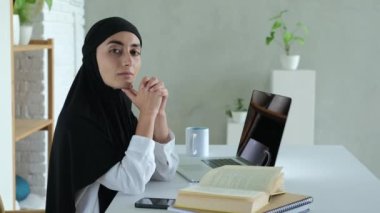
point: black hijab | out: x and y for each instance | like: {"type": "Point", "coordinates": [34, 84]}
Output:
{"type": "Point", "coordinates": [93, 129]}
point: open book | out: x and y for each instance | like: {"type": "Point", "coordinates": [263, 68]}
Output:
{"type": "Point", "coordinates": [233, 189]}
{"type": "Point", "coordinates": [280, 203]}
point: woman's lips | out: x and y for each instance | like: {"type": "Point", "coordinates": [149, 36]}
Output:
{"type": "Point", "coordinates": [125, 74]}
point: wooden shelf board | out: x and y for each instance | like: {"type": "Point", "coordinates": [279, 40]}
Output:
{"type": "Point", "coordinates": [24, 127]}
{"type": "Point", "coordinates": [33, 46]}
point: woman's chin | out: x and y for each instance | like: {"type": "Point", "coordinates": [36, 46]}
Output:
{"type": "Point", "coordinates": [126, 86]}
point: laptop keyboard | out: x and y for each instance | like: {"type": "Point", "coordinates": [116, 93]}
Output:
{"type": "Point", "coordinates": [215, 163]}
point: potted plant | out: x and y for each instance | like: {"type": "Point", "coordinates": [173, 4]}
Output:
{"type": "Point", "coordinates": [238, 113]}
{"type": "Point", "coordinates": [286, 38]}
{"type": "Point", "coordinates": [27, 11]}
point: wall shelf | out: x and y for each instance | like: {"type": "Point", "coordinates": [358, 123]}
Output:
{"type": "Point", "coordinates": [34, 46]}
{"type": "Point", "coordinates": [24, 127]}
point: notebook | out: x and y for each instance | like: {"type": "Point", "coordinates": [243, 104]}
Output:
{"type": "Point", "coordinates": [288, 202]}
{"type": "Point", "coordinates": [259, 142]}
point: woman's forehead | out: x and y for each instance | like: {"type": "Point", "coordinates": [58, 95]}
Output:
{"type": "Point", "coordinates": [123, 38]}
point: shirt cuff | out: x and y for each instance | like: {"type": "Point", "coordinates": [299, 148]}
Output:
{"type": "Point", "coordinates": [140, 144]}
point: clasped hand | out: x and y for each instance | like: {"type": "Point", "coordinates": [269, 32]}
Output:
{"type": "Point", "coordinates": [151, 96]}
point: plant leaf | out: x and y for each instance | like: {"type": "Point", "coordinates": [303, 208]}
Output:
{"type": "Point", "coordinates": [300, 40]}
{"type": "Point", "coordinates": [18, 5]}
{"type": "Point", "coordinates": [288, 36]}
{"type": "Point", "coordinates": [229, 113]}
{"type": "Point", "coordinates": [277, 24]}
{"type": "Point", "coordinates": [49, 3]}
{"type": "Point", "coordinates": [269, 38]}
{"type": "Point", "coordinates": [30, 11]}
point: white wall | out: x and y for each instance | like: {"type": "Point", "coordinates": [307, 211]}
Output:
{"type": "Point", "coordinates": [6, 145]}
{"type": "Point", "coordinates": [210, 52]}
{"type": "Point", "coordinates": [64, 23]}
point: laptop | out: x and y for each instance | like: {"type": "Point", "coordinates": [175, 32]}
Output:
{"type": "Point", "coordinates": [259, 141]}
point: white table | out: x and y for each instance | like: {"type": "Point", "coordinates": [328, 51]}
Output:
{"type": "Point", "coordinates": [337, 181]}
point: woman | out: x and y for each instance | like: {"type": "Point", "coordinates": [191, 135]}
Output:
{"type": "Point", "coordinates": [99, 146]}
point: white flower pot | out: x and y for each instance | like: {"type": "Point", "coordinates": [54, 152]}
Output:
{"type": "Point", "coordinates": [16, 29]}
{"type": "Point", "coordinates": [25, 34]}
{"type": "Point", "coordinates": [290, 62]}
{"type": "Point", "coordinates": [239, 117]}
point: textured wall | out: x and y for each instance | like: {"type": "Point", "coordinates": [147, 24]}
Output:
{"type": "Point", "coordinates": [64, 23]}
{"type": "Point", "coordinates": [210, 52]}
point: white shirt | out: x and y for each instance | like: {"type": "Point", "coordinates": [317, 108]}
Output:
{"type": "Point", "coordinates": [143, 160]}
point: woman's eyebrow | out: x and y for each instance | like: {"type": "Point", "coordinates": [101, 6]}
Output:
{"type": "Point", "coordinates": [136, 45]}
{"type": "Point", "coordinates": [122, 44]}
{"type": "Point", "coordinates": [116, 42]}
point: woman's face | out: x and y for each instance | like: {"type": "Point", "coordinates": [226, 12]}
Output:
{"type": "Point", "coordinates": [119, 59]}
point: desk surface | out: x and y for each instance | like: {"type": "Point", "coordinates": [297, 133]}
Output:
{"type": "Point", "coordinates": [337, 181]}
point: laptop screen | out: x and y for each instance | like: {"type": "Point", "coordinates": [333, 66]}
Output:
{"type": "Point", "coordinates": [263, 128]}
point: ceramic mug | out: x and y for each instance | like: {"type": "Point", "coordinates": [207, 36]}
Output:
{"type": "Point", "coordinates": [197, 141]}
{"type": "Point", "coordinates": [256, 153]}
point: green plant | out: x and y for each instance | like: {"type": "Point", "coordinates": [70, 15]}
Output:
{"type": "Point", "coordinates": [28, 10]}
{"type": "Point", "coordinates": [239, 107]}
{"type": "Point", "coordinates": [288, 37]}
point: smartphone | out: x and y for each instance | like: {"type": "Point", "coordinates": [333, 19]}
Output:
{"type": "Point", "coordinates": [154, 203]}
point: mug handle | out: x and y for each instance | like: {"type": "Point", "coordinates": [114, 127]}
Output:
{"type": "Point", "coordinates": [193, 147]}
{"type": "Point", "coordinates": [268, 157]}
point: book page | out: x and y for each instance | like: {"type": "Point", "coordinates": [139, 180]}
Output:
{"type": "Point", "coordinates": [257, 178]}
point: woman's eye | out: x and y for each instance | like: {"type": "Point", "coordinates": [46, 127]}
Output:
{"type": "Point", "coordinates": [135, 53]}
{"type": "Point", "coordinates": [116, 51]}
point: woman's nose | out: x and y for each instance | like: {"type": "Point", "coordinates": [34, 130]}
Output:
{"type": "Point", "coordinates": [127, 60]}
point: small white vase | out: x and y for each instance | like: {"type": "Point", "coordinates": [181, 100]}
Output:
{"type": "Point", "coordinates": [238, 117]}
{"type": "Point", "coordinates": [25, 34]}
{"type": "Point", "coordinates": [290, 62]}
{"type": "Point", "coordinates": [16, 29]}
